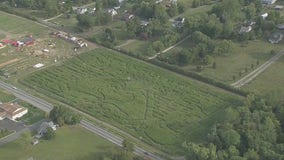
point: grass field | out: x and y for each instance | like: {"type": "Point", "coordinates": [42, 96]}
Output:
{"type": "Point", "coordinates": [34, 114]}
{"type": "Point", "coordinates": [70, 143]}
{"type": "Point", "coordinates": [271, 80]}
{"type": "Point", "coordinates": [6, 97]}
{"type": "Point", "coordinates": [160, 107]}
{"type": "Point", "coordinates": [242, 56]}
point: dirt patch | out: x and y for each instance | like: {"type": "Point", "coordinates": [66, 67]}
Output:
{"type": "Point", "coordinates": [9, 62]}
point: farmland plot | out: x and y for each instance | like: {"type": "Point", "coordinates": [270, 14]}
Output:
{"type": "Point", "coordinates": [157, 106]}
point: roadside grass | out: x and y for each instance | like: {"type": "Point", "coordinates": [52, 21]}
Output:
{"type": "Point", "coordinates": [270, 81]}
{"type": "Point", "coordinates": [155, 105]}
{"type": "Point", "coordinates": [34, 114]}
{"type": "Point", "coordinates": [6, 97]}
{"type": "Point", "coordinates": [4, 133]}
{"type": "Point", "coordinates": [70, 143]}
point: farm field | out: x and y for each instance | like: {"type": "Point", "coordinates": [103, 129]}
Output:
{"type": "Point", "coordinates": [70, 143]}
{"type": "Point", "coordinates": [157, 106]}
{"type": "Point", "coordinates": [17, 61]}
{"type": "Point", "coordinates": [264, 85]}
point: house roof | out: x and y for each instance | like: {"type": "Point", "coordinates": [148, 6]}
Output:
{"type": "Point", "coordinates": [12, 108]}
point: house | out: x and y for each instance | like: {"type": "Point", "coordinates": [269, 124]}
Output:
{"type": "Point", "coordinates": [128, 16]}
{"type": "Point", "coordinates": [12, 111]}
{"type": "Point", "coordinates": [43, 128]}
{"type": "Point", "coordinates": [245, 29]}
{"type": "Point", "coordinates": [276, 37]}
{"type": "Point", "coordinates": [278, 7]}
{"type": "Point", "coordinates": [178, 22]}
{"type": "Point", "coordinates": [112, 12]}
{"type": "Point", "coordinates": [264, 16]}
{"type": "Point", "coordinates": [144, 23]}
{"type": "Point", "coordinates": [79, 10]}
{"type": "Point", "coordinates": [268, 1]}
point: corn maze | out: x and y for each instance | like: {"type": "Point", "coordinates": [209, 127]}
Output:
{"type": "Point", "coordinates": [155, 105]}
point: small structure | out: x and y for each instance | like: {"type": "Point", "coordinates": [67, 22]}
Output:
{"type": "Point", "coordinates": [12, 111]}
{"type": "Point", "coordinates": [268, 1]}
{"type": "Point", "coordinates": [178, 22]}
{"type": "Point", "coordinates": [278, 7]}
{"type": "Point", "coordinates": [2, 45]}
{"type": "Point", "coordinates": [128, 16]}
{"type": "Point", "coordinates": [144, 23]}
{"type": "Point", "coordinates": [79, 10]}
{"type": "Point", "coordinates": [112, 12]}
{"type": "Point", "coordinates": [276, 37]}
{"type": "Point", "coordinates": [35, 142]}
{"type": "Point", "coordinates": [39, 65]}
{"type": "Point", "coordinates": [264, 15]}
{"type": "Point", "coordinates": [280, 26]}
{"type": "Point", "coordinates": [245, 29]}
{"type": "Point", "coordinates": [43, 128]}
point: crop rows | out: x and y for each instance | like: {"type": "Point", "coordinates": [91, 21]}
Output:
{"type": "Point", "coordinates": [146, 101]}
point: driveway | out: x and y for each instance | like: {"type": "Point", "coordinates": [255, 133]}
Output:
{"type": "Point", "coordinates": [11, 125]}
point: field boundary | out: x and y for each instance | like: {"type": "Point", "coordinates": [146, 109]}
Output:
{"type": "Point", "coordinates": [9, 62]}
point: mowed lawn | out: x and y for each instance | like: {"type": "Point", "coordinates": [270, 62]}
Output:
{"type": "Point", "coordinates": [242, 57]}
{"type": "Point", "coordinates": [157, 106]}
{"type": "Point", "coordinates": [70, 143]}
{"type": "Point", "coordinates": [16, 25]}
{"type": "Point", "coordinates": [270, 81]}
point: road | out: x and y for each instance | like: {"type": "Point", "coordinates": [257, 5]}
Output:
{"type": "Point", "coordinates": [41, 104]}
{"type": "Point", "coordinates": [47, 107]}
{"type": "Point", "coordinates": [115, 139]}
{"type": "Point", "coordinates": [251, 76]}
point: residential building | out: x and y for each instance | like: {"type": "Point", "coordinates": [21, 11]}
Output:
{"type": "Point", "coordinates": [268, 1]}
{"type": "Point", "coordinates": [12, 111]}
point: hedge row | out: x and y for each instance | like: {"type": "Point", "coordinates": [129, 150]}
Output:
{"type": "Point", "coordinates": [10, 10]}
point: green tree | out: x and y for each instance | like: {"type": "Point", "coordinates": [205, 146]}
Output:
{"type": "Point", "coordinates": [49, 134]}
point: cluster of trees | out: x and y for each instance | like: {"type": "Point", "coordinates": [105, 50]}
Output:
{"type": "Point", "coordinates": [251, 132]}
{"type": "Point", "coordinates": [149, 9]}
{"type": "Point", "coordinates": [61, 115]}
{"type": "Point", "coordinates": [50, 6]}
{"type": "Point", "coordinates": [202, 51]}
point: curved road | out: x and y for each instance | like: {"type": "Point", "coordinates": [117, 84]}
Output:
{"type": "Point", "coordinates": [47, 107]}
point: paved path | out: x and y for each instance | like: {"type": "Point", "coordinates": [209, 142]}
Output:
{"type": "Point", "coordinates": [169, 48]}
{"type": "Point", "coordinates": [251, 76]}
{"type": "Point", "coordinates": [49, 19]}
{"type": "Point", "coordinates": [18, 133]}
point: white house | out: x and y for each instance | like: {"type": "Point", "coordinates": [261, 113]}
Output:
{"type": "Point", "coordinates": [112, 12]}
{"type": "Point", "coordinates": [245, 29]}
{"type": "Point", "coordinates": [12, 111]}
{"type": "Point", "coordinates": [268, 1]}
{"type": "Point", "coordinates": [264, 15]}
